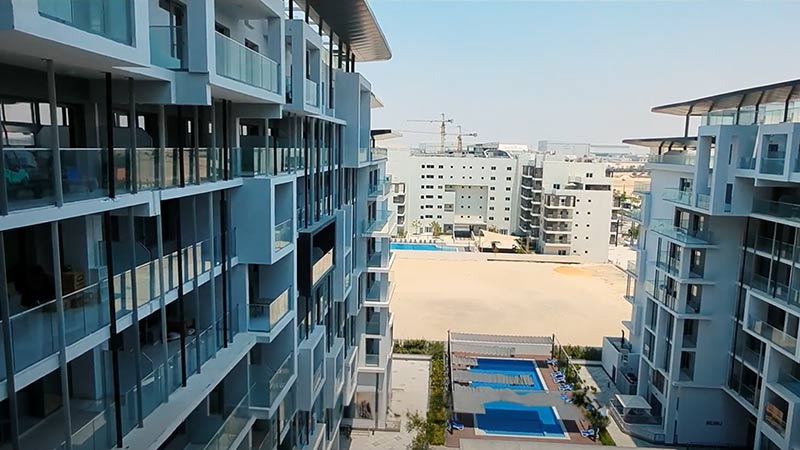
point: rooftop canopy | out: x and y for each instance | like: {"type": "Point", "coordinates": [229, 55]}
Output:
{"type": "Point", "coordinates": [770, 93]}
{"type": "Point", "coordinates": [632, 402]}
{"type": "Point", "coordinates": [665, 142]}
{"type": "Point", "coordinates": [354, 23]}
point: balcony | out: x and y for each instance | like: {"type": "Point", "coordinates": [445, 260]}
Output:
{"type": "Point", "coordinates": [265, 313]}
{"type": "Point", "coordinates": [284, 234]}
{"type": "Point", "coordinates": [634, 214]}
{"type": "Point", "coordinates": [239, 63]}
{"type": "Point", "coordinates": [673, 158]}
{"type": "Point", "coordinates": [374, 326]}
{"type": "Point", "coordinates": [680, 196]}
{"type": "Point", "coordinates": [788, 211]}
{"type": "Point", "coordinates": [632, 268]}
{"type": "Point", "coordinates": [382, 223]}
{"type": "Point", "coordinates": [789, 382]}
{"type": "Point", "coordinates": [747, 163]}
{"type": "Point", "coordinates": [261, 161]}
{"type": "Point", "coordinates": [773, 166]}
{"type": "Point", "coordinates": [665, 228]}
{"type": "Point", "coordinates": [168, 46]}
{"type": "Point", "coordinates": [311, 93]}
{"type": "Point", "coordinates": [111, 19]}
{"type": "Point", "coordinates": [703, 201]}
{"type": "Point", "coordinates": [268, 383]}
{"type": "Point", "coordinates": [372, 360]}
{"type": "Point", "coordinates": [380, 188]}
{"type": "Point", "coordinates": [641, 187]}
{"type": "Point", "coordinates": [321, 266]}
{"type": "Point", "coordinates": [772, 334]}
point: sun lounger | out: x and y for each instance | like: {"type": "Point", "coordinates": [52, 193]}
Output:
{"type": "Point", "coordinates": [587, 433]}
{"type": "Point", "coordinates": [565, 387]}
{"type": "Point", "coordinates": [556, 373]}
{"type": "Point", "coordinates": [565, 398]}
{"type": "Point", "coordinates": [550, 362]}
{"type": "Point", "coordinates": [454, 425]}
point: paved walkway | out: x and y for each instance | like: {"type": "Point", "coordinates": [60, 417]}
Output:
{"type": "Point", "coordinates": [597, 377]}
{"type": "Point", "coordinates": [409, 394]}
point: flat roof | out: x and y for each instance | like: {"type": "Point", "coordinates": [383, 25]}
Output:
{"type": "Point", "coordinates": [768, 93]}
{"type": "Point", "coordinates": [354, 22]}
{"type": "Point", "coordinates": [632, 401]}
{"type": "Point", "coordinates": [688, 142]}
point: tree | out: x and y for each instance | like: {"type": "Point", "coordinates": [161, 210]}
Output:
{"type": "Point", "coordinates": [415, 225]}
{"type": "Point", "coordinates": [437, 228]}
{"type": "Point", "coordinates": [419, 427]}
{"type": "Point", "coordinates": [633, 232]}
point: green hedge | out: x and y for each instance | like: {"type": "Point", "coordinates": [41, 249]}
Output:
{"type": "Point", "coordinates": [606, 438]}
{"type": "Point", "coordinates": [584, 352]}
{"type": "Point", "coordinates": [437, 403]}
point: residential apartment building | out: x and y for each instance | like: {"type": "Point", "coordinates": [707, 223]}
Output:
{"type": "Point", "coordinates": [194, 229]}
{"type": "Point", "coordinates": [461, 191]}
{"type": "Point", "coordinates": [567, 208]}
{"type": "Point", "coordinates": [399, 205]}
{"type": "Point", "coordinates": [712, 351]}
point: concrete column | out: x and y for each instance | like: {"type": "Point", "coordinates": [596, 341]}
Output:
{"type": "Point", "coordinates": [212, 279]}
{"type": "Point", "coordinates": [137, 361]}
{"type": "Point", "coordinates": [133, 126]}
{"type": "Point", "coordinates": [162, 303]}
{"type": "Point", "coordinates": [62, 338]}
{"type": "Point", "coordinates": [8, 354]}
{"type": "Point", "coordinates": [162, 146]}
{"type": "Point", "coordinates": [54, 139]}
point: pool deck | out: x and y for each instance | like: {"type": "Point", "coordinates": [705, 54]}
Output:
{"type": "Point", "coordinates": [572, 427]}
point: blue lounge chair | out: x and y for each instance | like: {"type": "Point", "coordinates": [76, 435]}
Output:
{"type": "Point", "coordinates": [565, 387]}
{"type": "Point", "coordinates": [550, 362]}
{"type": "Point", "coordinates": [556, 373]}
{"type": "Point", "coordinates": [587, 433]}
{"type": "Point", "coordinates": [452, 424]}
{"type": "Point", "coordinates": [565, 398]}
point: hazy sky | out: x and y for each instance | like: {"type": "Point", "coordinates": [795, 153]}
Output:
{"type": "Point", "coordinates": [587, 71]}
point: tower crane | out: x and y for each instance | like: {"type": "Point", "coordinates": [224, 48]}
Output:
{"type": "Point", "coordinates": [442, 130]}
{"type": "Point", "coordinates": [459, 136]}
{"type": "Point", "coordinates": [459, 142]}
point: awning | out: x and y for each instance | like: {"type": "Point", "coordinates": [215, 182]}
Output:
{"type": "Point", "coordinates": [354, 22]}
{"type": "Point", "coordinates": [665, 142]}
{"type": "Point", "coordinates": [632, 402]}
{"type": "Point", "coordinates": [770, 93]}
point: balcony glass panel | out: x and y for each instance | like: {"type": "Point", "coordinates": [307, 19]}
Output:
{"type": "Point", "coordinates": [108, 18]}
{"type": "Point", "coordinates": [240, 63]}
{"type": "Point", "coordinates": [264, 316]}
{"type": "Point", "coordinates": [283, 234]}
{"type": "Point", "coordinates": [690, 237]}
{"type": "Point", "coordinates": [789, 211]}
{"type": "Point", "coordinates": [322, 265]}
{"type": "Point", "coordinates": [773, 166]}
{"type": "Point", "coordinates": [268, 383]}
{"type": "Point", "coordinates": [678, 158]}
{"type": "Point", "coordinates": [382, 218]}
{"type": "Point", "coordinates": [28, 177]}
{"type": "Point", "coordinates": [84, 174]}
{"type": "Point", "coordinates": [774, 335]}
{"type": "Point", "coordinates": [34, 335]}
{"type": "Point", "coordinates": [147, 164]}
{"type": "Point", "coordinates": [312, 93]}
{"type": "Point", "coordinates": [683, 197]}
{"type": "Point", "coordinates": [85, 311]}
{"type": "Point", "coordinates": [747, 163]}
{"type": "Point", "coordinates": [167, 46]}
{"type": "Point", "coordinates": [372, 360]}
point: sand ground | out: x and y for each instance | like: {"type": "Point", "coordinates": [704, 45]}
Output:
{"type": "Point", "coordinates": [578, 303]}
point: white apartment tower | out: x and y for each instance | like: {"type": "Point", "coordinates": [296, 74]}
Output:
{"type": "Point", "coordinates": [712, 352]}
{"type": "Point", "coordinates": [565, 208]}
{"type": "Point", "coordinates": [461, 191]}
{"type": "Point", "coordinates": [194, 228]}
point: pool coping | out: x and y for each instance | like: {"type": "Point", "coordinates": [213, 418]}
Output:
{"type": "Point", "coordinates": [535, 368]}
{"type": "Point", "coordinates": [564, 434]}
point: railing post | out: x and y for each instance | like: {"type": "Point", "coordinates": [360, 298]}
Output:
{"type": "Point", "coordinates": [133, 126]}
{"type": "Point", "coordinates": [54, 136]}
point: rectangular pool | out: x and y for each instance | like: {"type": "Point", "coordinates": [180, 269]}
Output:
{"type": "Point", "coordinates": [512, 419]}
{"type": "Point", "coordinates": [509, 367]}
{"type": "Point", "coordinates": [428, 247]}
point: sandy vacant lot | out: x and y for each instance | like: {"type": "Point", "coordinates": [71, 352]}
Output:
{"type": "Point", "coordinates": [579, 303]}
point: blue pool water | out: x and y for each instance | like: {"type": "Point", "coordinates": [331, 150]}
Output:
{"type": "Point", "coordinates": [515, 419]}
{"type": "Point", "coordinates": [509, 367]}
{"type": "Point", "coordinates": [429, 247]}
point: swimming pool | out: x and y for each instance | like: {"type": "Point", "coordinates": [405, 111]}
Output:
{"type": "Point", "coordinates": [429, 247]}
{"type": "Point", "coordinates": [509, 367]}
{"type": "Point", "coordinates": [508, 418]}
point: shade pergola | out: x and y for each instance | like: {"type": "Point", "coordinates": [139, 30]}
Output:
{"type": "Point", "coordinates": [631, 403]}
{"type": "Point", "coordinates": [770, 93]}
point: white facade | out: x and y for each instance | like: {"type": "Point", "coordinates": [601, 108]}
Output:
{"type": "Point", "coordinates": [566, 208]}
{"type": "Point", "coordinates": [197, 254]}
{"type": "Point", "coordinates": [461, 191]}
{"type": "Point", "coordinates": [713, 334]}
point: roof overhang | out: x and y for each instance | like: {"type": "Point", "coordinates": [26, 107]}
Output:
{"type": "Point", "coordinates": [383, 134]}
{"type": "Point", "coordinates": [770, 93]}
{"type": "Point", "coordinates": [665, 142]}
{"type": "Point", "coordinates": [354, 23]}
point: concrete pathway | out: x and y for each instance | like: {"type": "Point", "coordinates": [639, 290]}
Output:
{"type": "Point", "coordinates": [409, 394]}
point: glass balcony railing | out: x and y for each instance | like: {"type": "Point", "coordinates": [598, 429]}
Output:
{"type": "Point", "coordinates": [633, 214]}
{"type": "Point", "coordinates": [108, 18]}
{"type": "Point", "coordinates": [379, 153]}
{"type": "Point", "coordinates": [28, 177]}
{"type": "Point", "coordinates": [167, 44]}
{"type": "Point", "coordinates": [380, 188]}
{"type": "Point", "coordinates": [773, 166]}
{"type": "Point", "coordinates": [665, 227]}
{"type": "Point", "coordinates": [641, 187]}
{"type": "Point", "coordinates": [383, 219]}
{"type": "Point", "coordinates": [789, 211]}
{"type": "Point", "coordinates": [678, 158]}
{"type": "Point", "coordinates": [323, 264]}
{"type": "Point", "coordinates": [774, 335]}
{"type": "Point", "coordinates": [318, 375]}
{"type": "Point", "coordinates": [363, 154]}
{"type": "Point", "coordinates": [264, 315]}
{"type": "Point", "coordinates": [232, 426]}
{"type": "Point", "coordinates": [269, 383]}
{"type": "Point", "coordinates": [374, 326]}
{"type": "Point", "coordinates": [372, 360]}
{"type": "Point", "coordinates": [284, 233]}
{"type": "Point", "coordinates": [681, 196]}
{"type": "Point", "coordinates": [703, 201]}
{"type": "Point", "coordinates": [632, 268]}
{"type": "Point", "coordinates": [83, 173]}
{"type": "Point", "coordinates": [237, 62]}
{"type": "Point", "coordinates": [790, 382]}
{"type": "Point", "coordinates": [747, 163]}
{"type": "Point", "coordinates": [311, 93]}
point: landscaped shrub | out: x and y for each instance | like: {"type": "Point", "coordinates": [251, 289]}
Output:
{"type": "Point", "coordinates": [583, 352]}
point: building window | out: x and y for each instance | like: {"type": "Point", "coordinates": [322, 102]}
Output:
{"type": "Point", "coordinates": [494, 168]}
{"type": "Point", "coordinates": [508, 178]}
{"type": "Point", "coordinates": [492, 178]}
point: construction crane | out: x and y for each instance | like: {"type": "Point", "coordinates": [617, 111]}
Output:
{"type": "Point", "coordinates": [442, 131]}
{"type": "Point", "coordinates": [459, 136]}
